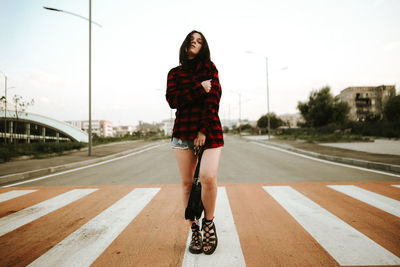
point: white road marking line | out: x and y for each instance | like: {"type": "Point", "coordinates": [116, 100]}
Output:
{"type": "Point", "coordinates": [84, 167]}
{"type": "Point", "coordinates": [396, 185]}
{"type": "Point", "coordinates": [327, 161]}
{"type": "Point", "coordinates": [86, 244]}
{"type": "Point", "coordinates": [22, 217]}
{"type": "Point", "coordinates": [389, 205]}
{"type": "Point", "coordinates": [229, 251]}
{"type": "Point", "coordinates": [14, 194]}
{"type": "Point", "coordinates": [344, 243]}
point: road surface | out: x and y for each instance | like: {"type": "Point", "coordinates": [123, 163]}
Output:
{"type": "Point", "coordinates": [273, 209]}
{"type": "Point", "coordinates": [241, 162]}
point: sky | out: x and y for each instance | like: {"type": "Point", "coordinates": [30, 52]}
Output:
{"type": "Point", "coordinates": [309, 44]}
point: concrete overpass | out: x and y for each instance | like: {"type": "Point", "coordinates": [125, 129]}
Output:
{"type": "Point", "coordinates": [29, 127]}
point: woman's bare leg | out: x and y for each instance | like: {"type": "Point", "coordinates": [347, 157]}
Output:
{"type": "Point", "coordinates": [208, 177]}
{"type": "Point", "coordinates": [187, 166]}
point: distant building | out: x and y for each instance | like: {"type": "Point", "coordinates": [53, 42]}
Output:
{"type": "Point", "coordinates": [168, 126]}
{"type": "Point", "coordinates": [121, 131]}
{"type": "Point", "coordinates": [365, 101]}
{"type": "Point", "coordinates": [99, 127]}
{"type": "Point", "coordinates": [76, 124]}
{"type": "Point", "coordinates": [146, 127]}
{"type": "Point", "coordinates": [291, 120]}
{"type": "Point", "coordinates": [229, 123]}
{"type": "Point", "coordinates": [246, 121]}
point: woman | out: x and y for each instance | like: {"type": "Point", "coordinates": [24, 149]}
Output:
{"type": "Point", "coordinates": [193, 89]}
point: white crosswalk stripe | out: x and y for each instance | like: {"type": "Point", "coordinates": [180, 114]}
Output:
{"type": "Point", "coordinates": [15, 220]}
{"type": "Point", "coordinates": [85, 245]}
{"type": "Point", "coordinates": [378, 201]}
{"type": "Point", "coordinates": [332, 233]}
{"type": "Point", "coordinates": [14, 194]}
{"type": "Point", "coordinates": [228, 252]}
{"type": "Point", "coordinates": [344, 243]}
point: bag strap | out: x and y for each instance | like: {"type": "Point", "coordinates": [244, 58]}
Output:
{"type": "Point", "coordinates": [196, 173]}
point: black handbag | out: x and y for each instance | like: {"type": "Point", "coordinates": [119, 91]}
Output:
{"type": "Point", "coordinates": [195, 204]}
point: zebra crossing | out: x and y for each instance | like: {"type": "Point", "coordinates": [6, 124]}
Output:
{"type": "Point", "coordinates": [313, 224]}
{"type": "Point", "coordinates": [344, 243]}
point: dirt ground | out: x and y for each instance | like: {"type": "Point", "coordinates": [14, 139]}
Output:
{"type": "Point", "coordinates": [340, 152]}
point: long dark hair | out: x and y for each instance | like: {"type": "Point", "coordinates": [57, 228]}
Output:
{"type": "Point", "coordinates": [204, 53]}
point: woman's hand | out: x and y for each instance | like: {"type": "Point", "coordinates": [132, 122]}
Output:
{"type": "Point", "coordinates": [206, 85]}
{"type": "Point", "coordinates": [200, 139]}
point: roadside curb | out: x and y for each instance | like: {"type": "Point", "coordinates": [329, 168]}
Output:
{"type": "Point", "coordinates": [16, 177]}
{"type": "Point", "coordinates": [350, 161]}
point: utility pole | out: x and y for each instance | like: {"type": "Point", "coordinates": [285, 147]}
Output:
{"type": "Point", "coordinates": [5, 110]}
{"type": "Point", "coordinates": [240, 113]}
{"type": "Point", "coordinates": [5, 107]}
{"type": "Point", "coordinates": [90, 64]}
{"type": "Point", "coordinates": [268, 115]}
{"type": "Point", "coordinates": [90, 78]}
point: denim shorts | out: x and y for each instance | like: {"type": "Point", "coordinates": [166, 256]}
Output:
{"type": "Point", "coordinates": [182, 144]}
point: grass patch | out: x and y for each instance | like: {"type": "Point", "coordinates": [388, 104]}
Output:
{"type": "Point", "coordinates": [37, 150]}
{"type": "Point", "coordinates": [324, 138]}
{"type": "Point", "coordinates": [42, 150]}
{"type": "Point", "coordinates": [106, 140]}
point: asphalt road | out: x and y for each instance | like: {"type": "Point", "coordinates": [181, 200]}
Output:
{"type": "Point", "coordinates": [241, 162]}
{"type": "Point", "coordinates": [129, 212]}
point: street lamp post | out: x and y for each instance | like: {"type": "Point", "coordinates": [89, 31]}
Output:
{"type": "Point", "coordinates": [90, 63]}
{"type": "Point", "coordinates": [240, 113]}
{"type": "Point", "coordinates": [268, 114]}
{"type": "Point", "coordinates": [90, 79]}
{"type": "Point", "coordinates": [5, 106]}
{"type": "Point", "coordinates": [240, 109]}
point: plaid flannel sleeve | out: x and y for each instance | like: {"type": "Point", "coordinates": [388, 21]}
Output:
{"type": "Point", "coordinates": [179, 97]}
{"type": "Point", "coordinates": [211, 104]}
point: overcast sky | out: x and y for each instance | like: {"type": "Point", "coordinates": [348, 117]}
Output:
{"type": "Point", "coordinates": [339, 43]}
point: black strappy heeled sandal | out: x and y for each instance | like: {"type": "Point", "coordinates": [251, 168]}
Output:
{"type": "Point", "coordinates": [195, 244]}
{"type": "Point", "coordinates": [209, 238]}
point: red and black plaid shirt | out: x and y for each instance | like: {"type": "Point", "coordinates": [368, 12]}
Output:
{"type": "Point", "coordinates": [197, 110]}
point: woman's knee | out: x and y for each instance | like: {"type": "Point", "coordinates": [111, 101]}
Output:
{"type": "Point", "coordinates": [208, 179]}
{"type": "Point", "coordinates": [187, 186]}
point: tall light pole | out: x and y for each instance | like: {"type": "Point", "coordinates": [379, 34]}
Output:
{"type": "Point", "coordinates": [90, 63]}
{"type": "Point", "coordinates": [5, 106]}
{"type": "Point", "coordinates": [90, 79]}
{"type": "Point", "coordinates": [268, 114]}
{"type": "Point", "coordinates": [240, 109]}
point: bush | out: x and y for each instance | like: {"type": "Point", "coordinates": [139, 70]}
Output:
{"type": "Point", "coordinates": [9, 151]}
{"type": "Point", "coordinates": [349, 131]}
{"type": "Point", "coordinates": [274, 121]}
{"type": "Point", "coordinates": [322, 108]}
{"type": "Point", "coordinates": [391, 111]}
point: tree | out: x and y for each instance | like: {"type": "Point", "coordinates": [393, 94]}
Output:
{"type": "Point", "coordinates": [274, 121]}
{"type": "Point", "coordinates": [391, 110]}
{"type": "Point", "coordinates": [20, 106]}
{"type": "Point", "coordinates": [2, 104]}
{"type": "Point", "coordinates": [322, 108]}
{"type": "Point", "coordinates": [2, 101]}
